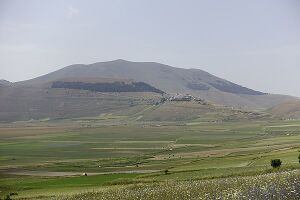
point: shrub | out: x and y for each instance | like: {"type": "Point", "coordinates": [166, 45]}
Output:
{"type": "Point", "coordinates": [166, 171]}
{"type": "Point", "coordinates": [276, 163]}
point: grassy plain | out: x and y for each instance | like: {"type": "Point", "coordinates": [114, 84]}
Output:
{"type": "Point", "coordinates": [48, 158]}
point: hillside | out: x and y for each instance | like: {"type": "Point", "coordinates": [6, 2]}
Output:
{"type": "Point", "coordinates": [17, 104]}
{"type": "Point", "coordinates": [287, 110]}
{"type": "Point", "coordinates": [121, 86]}
{"type": "Point", "coordinates": [168, 79]}
{"type": "Point", "coordinates": [197, 112]}
{"type": "Point", "coordinates": [5, 82]}
{"type": "Point", "coordinates": [25, 103]}
{"type": "Point", "coordinates": [155, 74]}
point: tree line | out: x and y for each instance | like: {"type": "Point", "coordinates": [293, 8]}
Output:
{"type": "Point", "coordinates": [108, 87]}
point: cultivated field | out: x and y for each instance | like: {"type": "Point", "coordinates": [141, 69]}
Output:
{"type": "Point", "coordinates": [44, 159]}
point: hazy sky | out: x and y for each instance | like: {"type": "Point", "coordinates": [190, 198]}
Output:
{"type": "Point", "coordinates": [255, 43]}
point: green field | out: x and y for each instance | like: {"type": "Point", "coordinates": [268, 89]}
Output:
{"type": "Point", "coordinates": [48, 158]}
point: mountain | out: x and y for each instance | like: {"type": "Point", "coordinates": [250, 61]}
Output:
{"type": "Point", "coordinates": [5, 83]}
{"type": "Point", "coordinates": [169, 79]}
{"type": "Point", "coordinates": [131, 89]}
{"type": "Point", "coordinates": [287, 110]}
{"type": "Point", "coordinates": [20, 103]}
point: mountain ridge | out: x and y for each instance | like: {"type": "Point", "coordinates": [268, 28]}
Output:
{"type": "Point", "coordinates": [94, 89]}
{"type": "Point", "coordinates": [5, 82]}
{"type": "Point", "coordinates": [169, 79]}
{"type": "Point", "coordinates": [109, 69]}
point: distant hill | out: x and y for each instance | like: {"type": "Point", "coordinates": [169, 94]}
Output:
{"type": "Point", "coordinates": [156, 74]}
{"type": "Point", "coordinates": [128, 89]}
{"type": "Point", "coordinates": [169, 79]}
{"type": "Point", "coordinates": [287, 110]}
{"type": "Point", "coordinates": [26, 103]}
{"type": "Point", "coordinates": [5, 82]}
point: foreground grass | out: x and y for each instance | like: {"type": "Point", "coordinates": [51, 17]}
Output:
{"type": "Point", "coordinates": [31, 186]}
{"type": "Point", "coordinates": [278, 185]}
{"type": "Point", "coordinates": [35, 186]}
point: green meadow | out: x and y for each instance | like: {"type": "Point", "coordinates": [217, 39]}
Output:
{"type": "Point", "coordinates": [48, 159]}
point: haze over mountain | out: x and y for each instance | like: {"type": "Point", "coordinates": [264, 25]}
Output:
{"type": "Point", "coordinates": [88, 90]}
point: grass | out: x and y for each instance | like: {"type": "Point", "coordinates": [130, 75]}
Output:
{"type": "Point", "coordinates": [34, 183]}
{"type": "Point", "coordinates": [283, 185]}
{"type": "Point", "coordinates": [198, 150]}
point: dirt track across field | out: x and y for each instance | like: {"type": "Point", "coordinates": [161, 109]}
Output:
{"type": "Point", "coordinates": [61, 174]}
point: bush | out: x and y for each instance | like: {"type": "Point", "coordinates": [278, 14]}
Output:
{"type": "Point", "coordinates": [166, 172]}
{"type": "Point", "coordinates": [276, 163]}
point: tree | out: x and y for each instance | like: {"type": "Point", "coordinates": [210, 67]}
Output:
{"type": "Point", "coordinates": [275, 163]}
{"type": "Point", "coordinates": [166, 172]}
{"type": "Point", "coordinates": [299, 158]}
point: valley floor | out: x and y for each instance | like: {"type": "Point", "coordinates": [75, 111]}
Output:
{"type": "Point", "coordinates": [136, 159]}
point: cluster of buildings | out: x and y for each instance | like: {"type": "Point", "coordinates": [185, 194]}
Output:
{"type": "Point", "coordinates": [184, 97]}
{"type": "Point", "coordinates": [181, 97]}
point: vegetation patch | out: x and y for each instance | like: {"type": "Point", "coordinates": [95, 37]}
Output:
{"type": "Point", "coordinates": [234, 88]}
{"type": "Point", "coordinates": [108, 87]}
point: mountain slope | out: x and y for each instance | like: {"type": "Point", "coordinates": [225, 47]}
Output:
{"type": "Point", "coordinates": [5, 83]}
{"type": "Point", "coordinates": [198, 112]}
{"type": "Point", "coordinates": [24, 103]}
{"type": "Point", "coordinates": [168, 79]}
{"type": "Point", "coordinates": [155, 74]}
{"type": "Point", "coordinates": [287, 110]}
{"type": "Point", "coordinates": [20, 103]}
